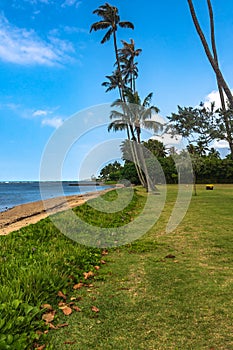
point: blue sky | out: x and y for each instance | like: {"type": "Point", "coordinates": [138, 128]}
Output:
{"type": "Point", "coordinates": [52, 67]}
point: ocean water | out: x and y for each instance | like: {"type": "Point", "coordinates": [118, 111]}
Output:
{"type": "Point", "coordinates": [16, 193]}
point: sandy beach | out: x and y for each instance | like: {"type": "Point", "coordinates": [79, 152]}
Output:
{"type": "Point", "coordinates": [30, 213]}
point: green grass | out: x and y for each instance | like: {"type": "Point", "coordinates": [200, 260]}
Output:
{"type": "Point", "coordinates": [146, 300]}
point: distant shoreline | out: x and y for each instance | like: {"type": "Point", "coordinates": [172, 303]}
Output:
{"type": "Point", "coordinates": [16, 193]}
{"type": "Point", "coordinates": [30, 213]}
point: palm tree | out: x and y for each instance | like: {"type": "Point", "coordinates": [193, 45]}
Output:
{"type": "Point", "coordinates": [132, 116]}
{"type": "Point", "coordinates": [129, 72]}
{"type": "Point", "coordinates": [127, 56]}
{"type": "Point", "coordinates": [111, 21]}
{"type": "Point", "coordinates": [114, 81]}
{"type": "Point", "coordinates": [135, 113]}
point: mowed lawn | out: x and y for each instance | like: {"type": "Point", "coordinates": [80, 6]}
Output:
{"type": "Point", "coordinates": [164, 291]}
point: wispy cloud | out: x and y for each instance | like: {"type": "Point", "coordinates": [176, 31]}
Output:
{"type": "Point", "coordinates": [35, 2]}
{"type": "Point", "coordinates": [55, 122]}
{"type": "Point", "coordinates": [25, 47]}
{"type": "Point", "coordinates": [75, 3]}
{"type": "Point", "coordinates": [70, 30]}
{"type": "Point", "coordinates": [46, 116]}
{"type": "Point", "coordinates": [40, 112]}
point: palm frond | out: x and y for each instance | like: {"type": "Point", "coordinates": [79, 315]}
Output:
{"type": "Point", "coordinates": [147, 100]}
{"type": "Point", "coordinates": [117, 114]}
{"type": "Point", "coordinates": [100, 25]}
{"type": "Point", "coordinates": [117, 125]}
{"type": "Point", "coordinates": [126, 25]}
{"type": "Point", "coordinates": [152, 125]}
{"type": "Point", "coordinates": [107, 36]}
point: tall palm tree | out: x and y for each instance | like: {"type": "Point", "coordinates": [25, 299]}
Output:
{"type": "Point", "coordinates": [127, 56]}
{"type": "Point", "coordinates": [111, 21]}
{"type": "Point", "coordinates": [132, 116]}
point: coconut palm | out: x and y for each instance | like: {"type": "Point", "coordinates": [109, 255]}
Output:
{"type": "Point", "coordinates": [134, 113]}
{"type": "Point", "coordinates": [111, 21]}
{"type": "Point", "coordinates": [114, 82]}
{"type": "Point", "coordinates": [132, 116]}
{"type": "Point", "coordinates": [129, 71]}
{"type": "Point", "coordinates": [127, 56]}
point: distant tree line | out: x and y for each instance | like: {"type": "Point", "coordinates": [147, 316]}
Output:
{"type": "Point", "coordinates": [207, 164]}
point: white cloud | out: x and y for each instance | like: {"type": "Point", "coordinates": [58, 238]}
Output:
{"type": "Point", "coordinates": [168, 140]}
{"type": "Point", "coordinates": [213, 96]}
{"type": "Point", "coordinates": [24, 47]}
{"type": "Point", "coordinates": [39, 113]}
{"type": "Point", "coordinates": [75, 3]}
{"type": "Point", "coordinates": [220, 144]}
{"type": "Point", "coordinates": [55, 122]}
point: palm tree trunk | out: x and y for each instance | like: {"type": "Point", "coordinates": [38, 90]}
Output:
{"type": "Point", "coordinates": [211, 59]}
{"type": "Point", "coordinates": [121, 89]}
{"type": "Point", "coordinates": [213, 43]}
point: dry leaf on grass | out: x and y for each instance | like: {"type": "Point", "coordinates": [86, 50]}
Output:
{"type": "Point", "coordinates": [76, 308]}
{"type": "Point", "coordinates": [88, 274]}
{"type": "Point", "coordinates": [78, 286]}
{"type": "Point", "coordinates": [52, 326]}
{"type": "Point", "coordinates": [41, 347]}
{"type": "Point", "coordinates": [104, 252]}
{"type": "Point", "coordinates": [61, 304]}
{"type": "Point", "coordinates": [95, 309]}
{"type": "Point", "coordinates": [47, 306]}
{"type": "Point", "coordinates": [97, 267]}
{"type": "Point", "coordinates": [62, 295]}
{"type": "Point", "coordinates": [49, 316]}
{"type": "Point", "coordinates": [39, 332]}
{"type": "Point", "coordinates": [62, 325]}
{"type": "Point", "coordinates": [103, 262]}
{"type": "Point", "coordinates": [66, 310]}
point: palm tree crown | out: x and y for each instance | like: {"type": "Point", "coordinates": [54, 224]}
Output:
{"type": "Point", "coordinates": [134, 115]}
{"type": "Point", "coordinates": [110, 19]}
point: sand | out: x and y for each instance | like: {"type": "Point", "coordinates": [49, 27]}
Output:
{"type": "Point", "coordinates": [30, 213]}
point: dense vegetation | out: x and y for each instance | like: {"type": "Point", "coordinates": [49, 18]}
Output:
{"type": "Point", "coordinates": [207, 164]}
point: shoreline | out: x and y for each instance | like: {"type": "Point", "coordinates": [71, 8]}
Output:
{"type": "Point", "coordinates": [23, 215]}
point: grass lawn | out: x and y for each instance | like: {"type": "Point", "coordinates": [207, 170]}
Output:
{"type": "Point", "coordinates": [164, 291]}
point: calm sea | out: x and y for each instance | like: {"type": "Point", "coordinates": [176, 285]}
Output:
{"type": "Point", "coordinates": [16, 193]}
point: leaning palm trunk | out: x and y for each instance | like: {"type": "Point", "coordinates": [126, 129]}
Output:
{"type": "Point", "coordinates": [213, 59]}
{"type": "Point", "coordinates": [221, 94]}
